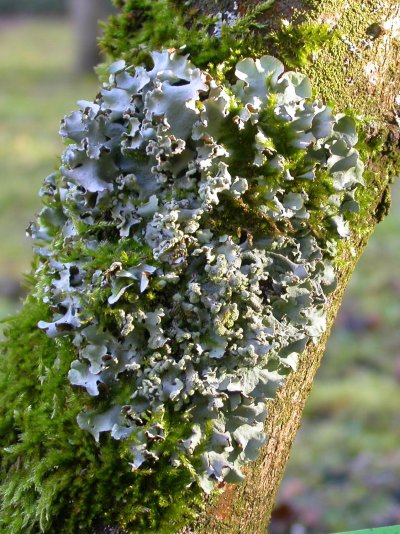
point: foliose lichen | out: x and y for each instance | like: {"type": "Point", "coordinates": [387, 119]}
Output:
{"type": "Point", "coordinates": [198, 318]}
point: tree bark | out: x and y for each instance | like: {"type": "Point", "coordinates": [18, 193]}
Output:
{"type": "Point", "coordinates": [360, 70]}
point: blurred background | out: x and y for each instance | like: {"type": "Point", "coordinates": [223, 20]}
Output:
{"type": "Point", "coordinates": [344, 471]}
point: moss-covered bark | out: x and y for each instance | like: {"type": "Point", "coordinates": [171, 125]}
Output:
{"type": "Point", "coordinates": [354, 67]}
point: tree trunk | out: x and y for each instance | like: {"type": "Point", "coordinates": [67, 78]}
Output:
{"type": "Point", "coordinates": [85, 15]}
{"type": "Point", "coordinates": [359, 69]}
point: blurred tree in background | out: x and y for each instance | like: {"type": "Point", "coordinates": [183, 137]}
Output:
{"type": "Point", "coordinates": [85, 18]}
{"type": "Point", "coordinates": [85, 15]}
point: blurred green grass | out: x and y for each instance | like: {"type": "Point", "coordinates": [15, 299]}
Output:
{"type": "Point", "coordinates": [344, 470]}
{"type": "Point", "coordinates": [37, 88]}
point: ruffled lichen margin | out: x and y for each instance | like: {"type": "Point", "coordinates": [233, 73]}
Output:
{"type": "Point", "coordinates": [54, 475]}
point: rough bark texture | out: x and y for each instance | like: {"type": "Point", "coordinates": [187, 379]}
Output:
{"type": "Point", "coordinates": [359, 70]}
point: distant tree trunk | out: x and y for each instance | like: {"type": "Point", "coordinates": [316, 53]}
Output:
{"type": "Point", "coordinates": [86, 15]}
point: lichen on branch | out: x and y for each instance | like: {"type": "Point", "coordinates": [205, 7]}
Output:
{"type": "Point", "coordinates": [184, 255]}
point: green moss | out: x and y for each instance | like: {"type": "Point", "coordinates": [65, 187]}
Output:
{"type": "Point", "coordinates": [165, 24]}
{"type": "Point", "coordinates": [127, 251]}
{"type": "Point", "coordinates": [54, 477]}
{"type": "Point", "coordinates": [281, 132]}
{"type": "Point", "coordinates": [297, 45]}
{"type": "Point", "coordinates": [354, 48]}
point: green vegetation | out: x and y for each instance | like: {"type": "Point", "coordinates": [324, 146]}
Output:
{"type": "Point", "coordinates": [358, 44]}
{"type": "Point", "coordinates": [297, 45]}
{"type": "Point", "coordinates": [171, 24]}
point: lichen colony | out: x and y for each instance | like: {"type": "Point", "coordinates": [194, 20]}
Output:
{"type": "Point", "coordinates": [224, 264]}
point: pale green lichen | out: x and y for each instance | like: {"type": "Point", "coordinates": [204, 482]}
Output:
{"type": "Point", "coordinates": [153, 159]}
